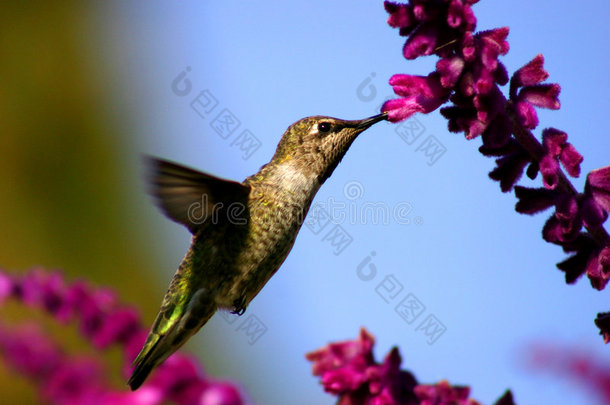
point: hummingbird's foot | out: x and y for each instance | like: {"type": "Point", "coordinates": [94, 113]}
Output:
{"type": "Point", "coordinates": [238, 306]}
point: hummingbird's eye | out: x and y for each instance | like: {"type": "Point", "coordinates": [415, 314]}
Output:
{"type": "Point", "coordinates": [324, 127]}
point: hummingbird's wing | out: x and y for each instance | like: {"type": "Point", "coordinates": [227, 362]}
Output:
{"type": "Point", "coordinates": [191, 197]}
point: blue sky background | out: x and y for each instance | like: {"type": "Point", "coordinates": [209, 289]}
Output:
{"type": "Point", "coordinates": [480, 268]}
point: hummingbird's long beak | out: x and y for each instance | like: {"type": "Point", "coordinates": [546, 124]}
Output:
{"type": "Point", "coordinates": [367, 122]}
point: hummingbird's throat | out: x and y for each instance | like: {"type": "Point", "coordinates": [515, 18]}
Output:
{"type": "Point", "coordinates": [293, 179]}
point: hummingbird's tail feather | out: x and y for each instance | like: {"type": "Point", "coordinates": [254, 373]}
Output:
{"type": "Point", "coordinates": [169, 334]}
{"type": "Point", "coordinates": [144, 363]}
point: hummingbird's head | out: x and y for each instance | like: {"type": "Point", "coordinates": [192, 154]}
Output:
{"type": "Point", "coordinates": [317, 144]}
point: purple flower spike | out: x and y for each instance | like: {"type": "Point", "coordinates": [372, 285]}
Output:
{"type": "Point", "coordinates": [470, 73]}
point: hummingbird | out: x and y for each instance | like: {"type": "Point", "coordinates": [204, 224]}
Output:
{"type": "Point", "coordinates": [241, 232]}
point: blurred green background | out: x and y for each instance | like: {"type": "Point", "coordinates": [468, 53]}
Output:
{"type": "Point", "coordinates": [67, 196]}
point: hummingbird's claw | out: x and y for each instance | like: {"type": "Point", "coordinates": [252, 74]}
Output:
{"type": "Point", "coordinates": [238, 306]}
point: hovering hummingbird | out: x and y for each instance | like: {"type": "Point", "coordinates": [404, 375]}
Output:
{"type": "Point", "coordinates": [242, 232]}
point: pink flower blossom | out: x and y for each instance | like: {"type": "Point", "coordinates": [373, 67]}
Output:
{"type": "Point", "coordinates": [65, 380]}
{"type": "Point", "coordinates": [348, 370]}
{"type": "Point", "coordinates": [421, 94]}
{"type": "Point", "coordinates": [529, 75]}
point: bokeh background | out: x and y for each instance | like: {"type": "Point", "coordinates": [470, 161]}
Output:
{"type": "Point", "coordinates": [86, 90]}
